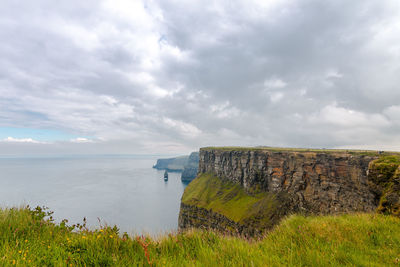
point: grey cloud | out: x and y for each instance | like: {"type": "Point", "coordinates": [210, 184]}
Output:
{"type": "Point", "coordinates": [189, 74]}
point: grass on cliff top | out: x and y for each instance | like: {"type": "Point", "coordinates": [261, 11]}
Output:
{"type": "Point", "coordinates": [227, 198]}
{"type": "Point", "coordinates": [317, 150]}
{"type": "Point", "coordinates": [29, 238]}
{"type": "Point", "coordinates": [384, 168]}
{"type": "Point", "coordinates": [384, 172]}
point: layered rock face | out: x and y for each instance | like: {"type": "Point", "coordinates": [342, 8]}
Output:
{"type": "Point", "coordinates": [321, 183]}
{"type": "Point", "coordinates": [207, 219]}
{"type": "Point", "coordinates": [310, 182]}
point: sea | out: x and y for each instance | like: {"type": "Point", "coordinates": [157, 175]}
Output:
{"type": "Point", "coordinates": [121, 190]}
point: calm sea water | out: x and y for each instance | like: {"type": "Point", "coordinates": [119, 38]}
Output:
{"type": "Point", "coordinates": [121, 190]}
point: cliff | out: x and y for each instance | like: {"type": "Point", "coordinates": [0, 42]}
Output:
{"type": "Point", "coordinates": [248, 190]}
{"type": "Point", "coordinates": [191, 167]}
{"type": "Point", "coordinates": [172, 164]}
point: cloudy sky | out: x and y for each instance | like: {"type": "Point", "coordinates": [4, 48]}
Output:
{"type": "Point", "coordinates": [125, 76]}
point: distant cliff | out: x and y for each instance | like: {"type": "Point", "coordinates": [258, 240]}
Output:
{"type": "Point", "coordinates": [188, 165]}
{"type": "Point", "coordinates": [191, 167]}
{"type": "Point", "coordinates": [248, 190]}
{"type": "Point", "coordinates": [172, 164]}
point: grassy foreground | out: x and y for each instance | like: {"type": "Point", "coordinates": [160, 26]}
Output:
{"type": "Point", "coordinates": [30, 238]}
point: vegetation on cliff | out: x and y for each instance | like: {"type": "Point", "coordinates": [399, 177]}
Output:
{"type": "Point", "coordinates": [384, 175]}
{"type": "Point", "coordinates": [229, 199]}
{"type": "Point", "coordinates": [310, 181]}
{"type": "Point", "coordinates": [317, 150]}
{"type": "Point", "coordinates": [30, 238]}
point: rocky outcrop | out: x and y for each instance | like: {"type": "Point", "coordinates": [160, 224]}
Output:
{"type": "Point", "coordinates": [191, 168]}
{"type": "Point", "coordinates": [313, 182]}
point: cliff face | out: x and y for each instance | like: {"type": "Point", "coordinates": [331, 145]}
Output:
{"type": "Point", "coordinates": [318, 182]}
{"type": "Point", "coordinates": [311, 182]}
{"type": "Point", "coordinates": [191, 168]}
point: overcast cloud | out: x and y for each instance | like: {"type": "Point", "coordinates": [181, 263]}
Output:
{"type": "Point", "coordinates": [123, 76]}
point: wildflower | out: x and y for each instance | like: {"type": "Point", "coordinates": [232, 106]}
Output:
{"type": "Point", "coordinates": [111, 236]}
{"type": "Point", "coordinates": [98, 236]}
{"type": "Point", "coordinates": [19, 251]}
{"type": "Point", "coordinates": [13, 262]}
{"type": "Point", "coordinates": [48, 246]}
{"type": "Point", "coordinates": [101, 230]}
{"type": "Point", "coordinates": [83, 237]}
{"type": "Point", "coordinates": [142, 242]}
{"type": "Point", "coordinates": [26, 241]}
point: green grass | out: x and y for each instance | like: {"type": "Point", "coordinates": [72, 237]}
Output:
{"type": "Point", "coordinates": [29, 238]}
{"type": "Point", "coordinates": [316, 150]}
{"type": "Point", "coordinates": [229, 199]}
{"type": "Point", "coordinates": [384, 168]}
{"type": "Point", "coordinates": [384, 173]}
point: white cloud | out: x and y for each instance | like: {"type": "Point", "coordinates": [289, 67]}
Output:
{"type": "Point", "coordinates": [82, 37]}
{"type": "Point", "coordinates": [81, 140]}
{"type": "Point", "coordinates": [22, 140]}
{"type": "Point", "coordinates": [224, 110]}
{"type": "Point", "coordinates": [276, 96]}
{"type": "Point", "coordinates": [274, 84]}
{"type": "Point", "coordinates": [182, 128]}
{"type": "Point", "coordinates": [332, 73]}
{"type": "Point", "coordinates": [344, 117]}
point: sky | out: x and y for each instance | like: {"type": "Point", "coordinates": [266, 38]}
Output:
{"type": "Point", "coordinates": [169, 76]}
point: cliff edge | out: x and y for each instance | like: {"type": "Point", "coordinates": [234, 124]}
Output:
{"type": "Point", "coordinates": [248, 190]}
